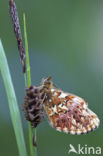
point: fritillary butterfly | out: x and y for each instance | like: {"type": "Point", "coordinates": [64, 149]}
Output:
{"type": "Point", "coordinates": [66, 112]}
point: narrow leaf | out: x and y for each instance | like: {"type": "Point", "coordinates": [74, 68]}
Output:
{"type": "Point", "coordinates": [12, 101]}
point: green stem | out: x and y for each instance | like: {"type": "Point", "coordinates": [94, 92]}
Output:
{"type": "Point", "coordinates": [25, 79]}
{"type": "Point", "coordinates": [32, 149]}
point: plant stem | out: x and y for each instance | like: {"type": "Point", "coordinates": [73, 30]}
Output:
{"type": "Point", "coordinates": [32, 149]}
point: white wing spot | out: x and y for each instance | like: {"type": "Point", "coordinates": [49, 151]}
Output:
{"type": "Point", "coordinates": [65, 130]}
{"type": "Point", "coordinates": [78, 132]}
{"type": "Point", "coordinates": [72, 132]}
{"type": "Point", "coordinates": [55, 93]}
{"type": "Point", "coordinates": [54, 109]}
{"type": "Point", "coordinates": [85, 106]}
{"type": "Point", "coordinates": [58, 129]}
{"type": "Point", "coordinates": [63, 106]}
{"type": "Point", "coordinates": [62, 95]}
{"type": "Point", "coordinates": [77, 100]}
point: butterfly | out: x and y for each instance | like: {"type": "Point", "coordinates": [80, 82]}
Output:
{"type": "Point", "coordinates": [66, 112]}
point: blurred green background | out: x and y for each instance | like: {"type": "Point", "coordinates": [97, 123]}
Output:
{"type": "Point", "coordinates": [65, 41]}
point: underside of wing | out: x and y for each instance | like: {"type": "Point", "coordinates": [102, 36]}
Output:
{"type": "Point", "coordinates": [70, 114]}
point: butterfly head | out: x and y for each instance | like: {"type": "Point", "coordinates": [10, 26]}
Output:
{"type": "Point", "coordinates": [47, 83]}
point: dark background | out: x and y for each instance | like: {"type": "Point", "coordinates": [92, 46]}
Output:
{"type": "Point", "coordinates": [65, 41]}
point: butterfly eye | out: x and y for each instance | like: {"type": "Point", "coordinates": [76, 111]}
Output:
{"type": "Point", "coordinates": [46, 80]}
{"type": "Point", "coordinates": [49, 78]}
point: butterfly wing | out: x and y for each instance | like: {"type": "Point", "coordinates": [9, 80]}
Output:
{"type": "Point", "coordinates": [69, 113]}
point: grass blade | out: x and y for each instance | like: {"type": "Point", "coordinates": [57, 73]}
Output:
{"type": "Point", "coordinates": [13, 106]}
{"type": "Point", "coordinates": [31, 131]}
